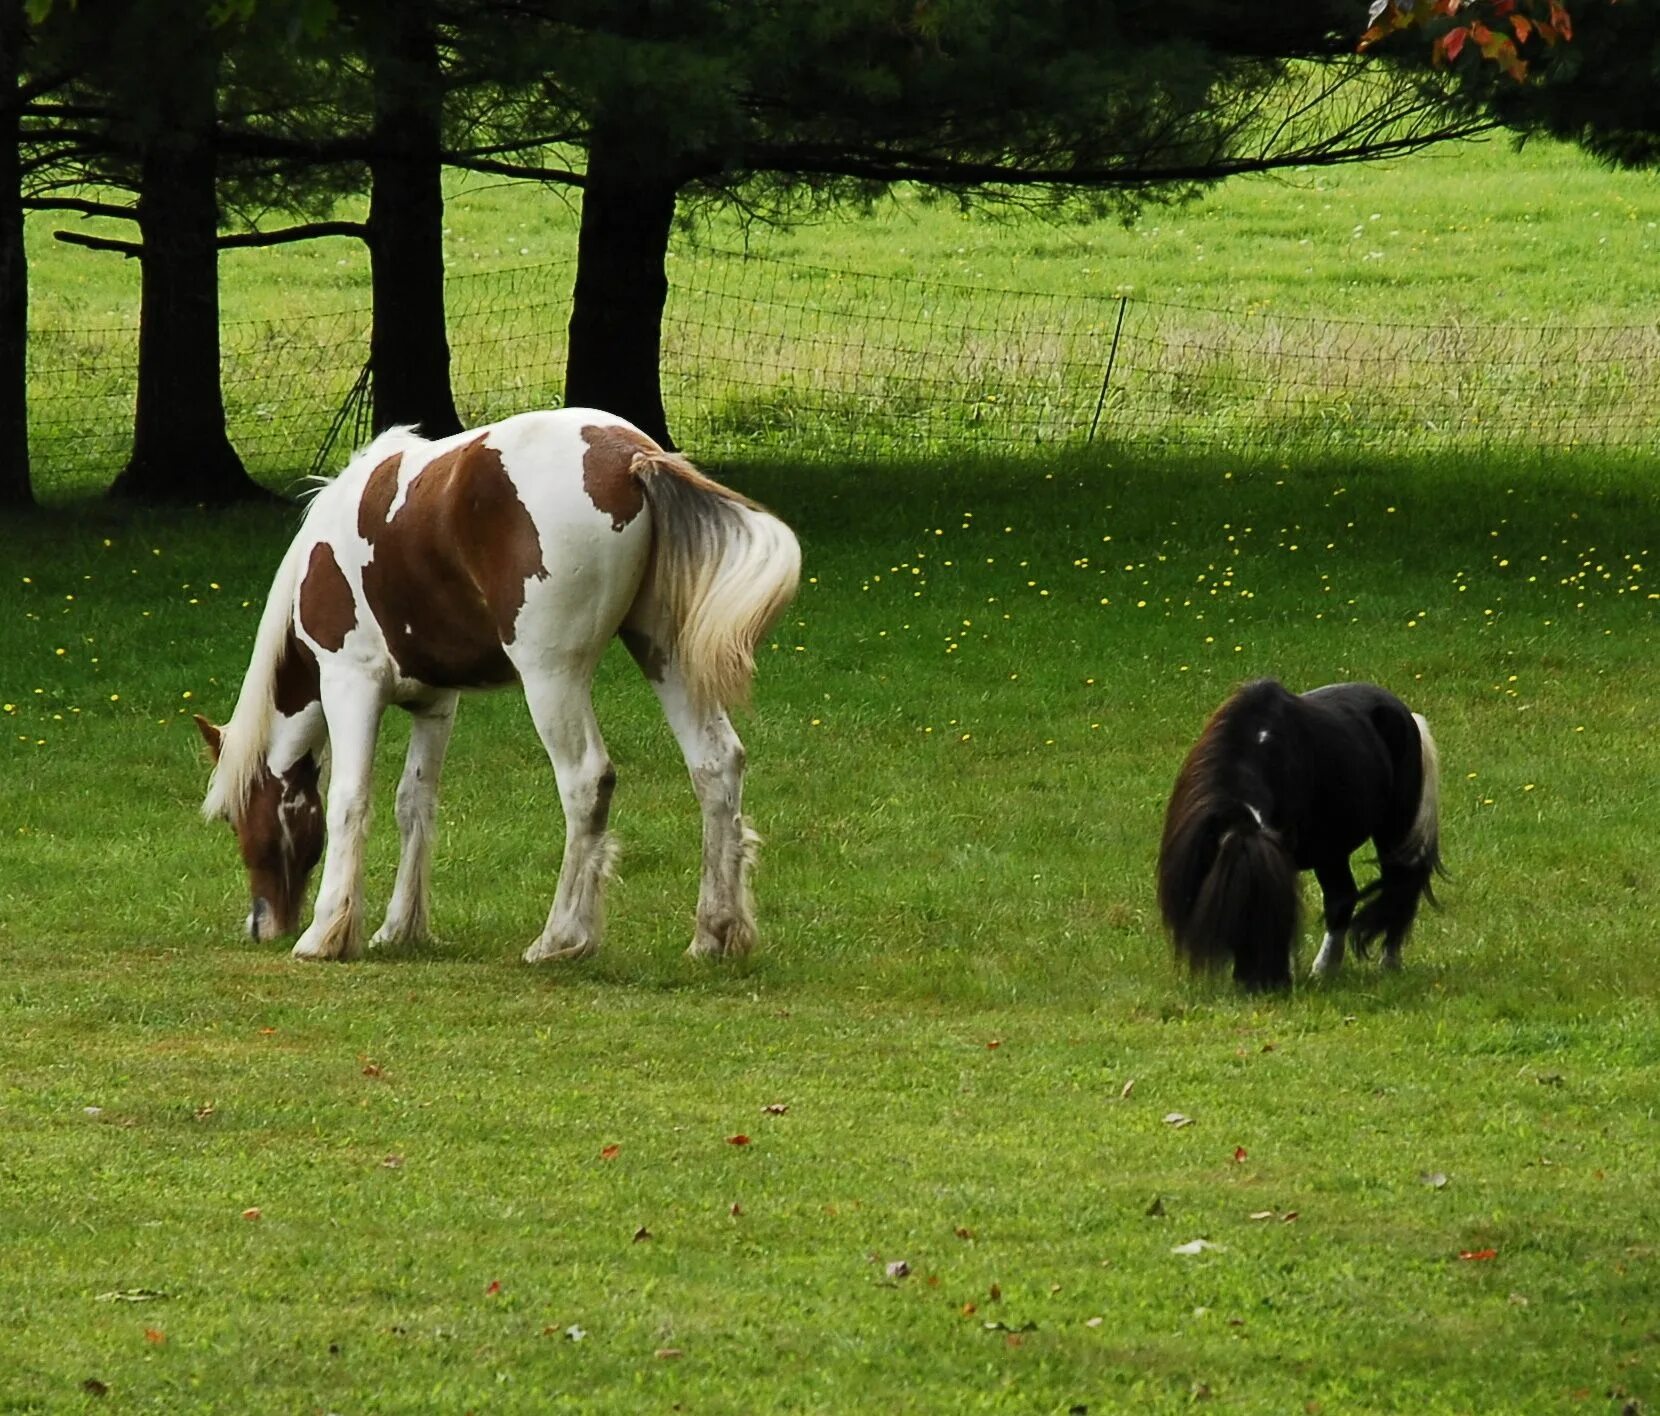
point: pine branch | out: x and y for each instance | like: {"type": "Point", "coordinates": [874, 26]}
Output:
{"type": "Point", "coordinates": [310, 231]}
{"type": "Point", "coordinates": [80, 204]}
{"type": "Point", "coordinates": [130, 249]}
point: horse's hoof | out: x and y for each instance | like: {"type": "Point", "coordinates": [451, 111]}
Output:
{"type": "Point", "coordinates": [407, 938]}
{"type": "Point", "coordinates": [551, 952]}
{"type": "Point", "coordinates": [327, 945]}
{"type": "Point", "coordinates": [732, 942]}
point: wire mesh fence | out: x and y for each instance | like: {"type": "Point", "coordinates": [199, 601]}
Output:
{"type": "Point", "coordinates": [766, 354]}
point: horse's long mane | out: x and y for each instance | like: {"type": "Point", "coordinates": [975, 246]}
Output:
{"type": "Point", "coordinates": [243, 740]}
{"type": "Point", "coordinates": [1226, 887]}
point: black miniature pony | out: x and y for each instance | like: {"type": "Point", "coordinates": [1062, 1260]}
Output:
{"type": "Point", "coordinates": [1280, 782]}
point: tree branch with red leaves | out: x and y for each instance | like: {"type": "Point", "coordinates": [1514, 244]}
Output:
{"type": "Point", "coordinates": [1507, 33]}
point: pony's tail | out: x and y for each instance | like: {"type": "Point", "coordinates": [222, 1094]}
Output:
{"type": "Point", "coordinates": [1389, 905]}
{"type": "Point", "coordinates": [722, 570]}
{"type": "Point", "coordinates": [1228, 892]}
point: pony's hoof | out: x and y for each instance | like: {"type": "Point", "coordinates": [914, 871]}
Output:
{"type": "Point", "coordinates": [545, 951]}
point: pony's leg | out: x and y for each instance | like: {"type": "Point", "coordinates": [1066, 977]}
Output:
{"type": "Point", "coordinates": [353, 711]}
{"type": "Point", "coordinates": [1398, 881]}
{"type": "Point", "coordinates": [1337, 887]}
{"type": "Point", "coordinates": [429, 738]}
{"type": "Point", "coordinates": [715, 758]}
{"type": "Point", "coordinates": [562, 707]}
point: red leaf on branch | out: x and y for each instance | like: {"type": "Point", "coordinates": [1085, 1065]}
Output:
{"type": "Point", "coordinates": [1453, 41]}
{"type": "Point", "coordinates": [1523, 27]}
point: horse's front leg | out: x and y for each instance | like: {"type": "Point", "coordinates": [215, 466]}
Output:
{"type": "Point", "coordinates": [353, 712]}
{"type": "Point", "coordinates": [1337, 887]}
{"type": "Point", "coordinates": [560, 698]}
{"type": "Point", "coordinates": [429, 738]}
{"type": "Point", "coordinates": [715, 757]}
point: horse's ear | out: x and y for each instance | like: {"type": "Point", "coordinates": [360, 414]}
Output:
{"type": "Point", "coordinates": [211, 735]}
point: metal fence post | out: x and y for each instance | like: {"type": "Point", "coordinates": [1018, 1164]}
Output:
{"type": "Point", "coordinates": [1106, 378]}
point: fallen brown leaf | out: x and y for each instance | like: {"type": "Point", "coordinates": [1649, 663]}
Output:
{"type": "Point", "coordinates": [154, 1336]}
{"type": "Point", "coordinates": [93, 1387]}
{"type": "Point", "coordinates": [610, 1152]}
{"type": "Point", "coordinates": [738, 1140]}
{"type": "Point", "coordinates": [668, 1354]}
{"type": "Point", "coordinates": [963, 1232]}
{"type": "Point", "coordinates": [642, 1234]}
{"type": "Point", "coordinates": [775, 1108]}
{"type": "Point", "coordinates": [252, 1212]}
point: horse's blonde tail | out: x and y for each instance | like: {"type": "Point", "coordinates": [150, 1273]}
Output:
{"type": "Point", "coordinates": [722, 571]}
{"type": "Point", "coordinates": [1423, 841]}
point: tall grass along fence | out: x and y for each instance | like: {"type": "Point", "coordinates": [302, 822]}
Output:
{"type": "Point", "coordinates": [766, 354]}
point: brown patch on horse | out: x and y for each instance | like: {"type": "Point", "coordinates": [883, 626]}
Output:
{"type": "Point", "coordinates": [446, 579]}
{"type": "Point", "coordinates": [376, 501]}
{"type": "Point", "coordinates": [297, 686]}
{"type": "Point", "coordinates": [328, 610]}
{"type": "Point", "coordinates": [608, 471]}
{"type": "Point", "coordinates": [652, 658]}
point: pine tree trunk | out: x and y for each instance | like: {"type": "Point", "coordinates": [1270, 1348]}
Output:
{"type": "Point", "coordinates": [14, 276]}
{"type": "Point", "coordinates": [616, 330]}
{"type": "Point", "coordinates": [181, 452]}
{"type": "Point", "coordinates": [409, 350]}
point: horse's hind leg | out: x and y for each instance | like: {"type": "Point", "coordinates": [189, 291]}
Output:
{"type": "Point", "coordinates": [715, 758]}
{"type": "Point", "coordinates": [429, 738]}
{"type": "Point", "coordinates": [1338, 891]}
{"type": "Point", "coordinates": [562, 707]}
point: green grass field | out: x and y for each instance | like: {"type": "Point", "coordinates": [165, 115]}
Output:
{"type": "Point", "coordinates": [384, 1187]}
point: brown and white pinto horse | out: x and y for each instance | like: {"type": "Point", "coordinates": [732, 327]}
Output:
{"type": "Point", "coordinates": [513, 551]}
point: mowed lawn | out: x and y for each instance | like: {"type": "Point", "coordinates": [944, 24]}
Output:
{"type": "Point", "coordinates": [982, 1110]}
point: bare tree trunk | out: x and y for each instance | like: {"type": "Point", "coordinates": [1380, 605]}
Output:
{"type": "Point", "coordinates": [180, 449]}
{"type": "Point", "coordinates": [616, 330]}
{"type": "Point", "coordinates": [409, 350]}
{"type": "Point", "coordinates": [14, 274]}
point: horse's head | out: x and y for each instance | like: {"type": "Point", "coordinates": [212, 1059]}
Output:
{"type": "Point", "coordinates": [280, 834]}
